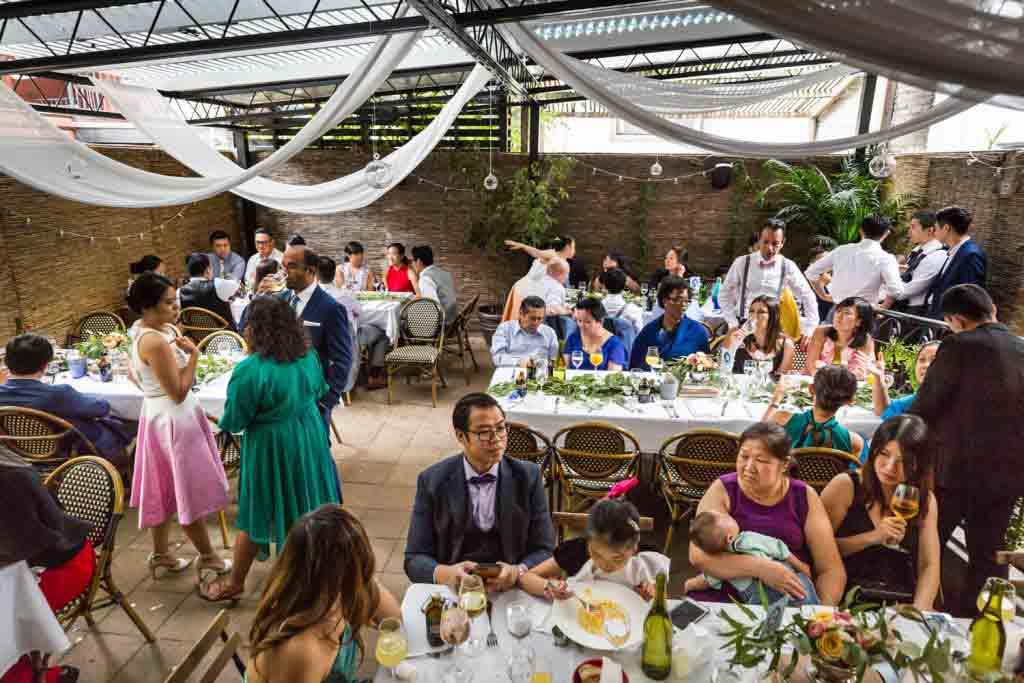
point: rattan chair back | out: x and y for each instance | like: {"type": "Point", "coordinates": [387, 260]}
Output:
{"type": "Point", "coordinates": [224, 342]}
{"type": "Point", "coordinates": [99, 323]}
{"type": "Point", "coordinates": [799, 359]}
{"type": "Point", "coordinates": [90, 489]}
{"type": "Point", "coordinates": [818, 466]}
{"type": "Point", "coordinates": [695, 459]}
{"type": "Point", "coordinates": [42, 439]}
{"type": "Point", "coordinates": [528, 444]}
{"type": "Point", "coordinates": [595, 454]}
{"type": "Point", "coordinates": [421, 321]}
{"type": "Point", "coordinates": [198, 323]}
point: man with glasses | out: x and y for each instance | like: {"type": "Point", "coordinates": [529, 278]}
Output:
{"type": "Point", "coordinates": [515, 341]}
{"type": "Point", "coordinates": [478, 507]}
{"type": "Point", "coordinates": [673, 333]}
{"type": "Point", "coordinates": [265, 251]}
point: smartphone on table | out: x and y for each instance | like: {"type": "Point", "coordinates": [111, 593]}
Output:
{"type": "Point", "coordinates": [488, 570]}
{"type": "Point", "coordinates": [688, 612]}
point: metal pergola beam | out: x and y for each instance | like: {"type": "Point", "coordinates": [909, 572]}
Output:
{"type": "Point", "coordinates": [38, 8]}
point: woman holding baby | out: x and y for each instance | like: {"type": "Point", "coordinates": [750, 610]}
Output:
{"type": "Point", "coordinates": [762, 498]}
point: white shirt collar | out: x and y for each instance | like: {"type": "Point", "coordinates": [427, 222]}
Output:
{"type": "Point", "coordinates": [306, 294]}
{"type": "Point", "coordinates": [868, 243]}
{"type": "Point", "coordinates": [953, 250]}
{"type": "Point", "coordinates": [615, 297]}
{"type": "Point", "coordinates": [930, 246]}
{"type": "Point", "coordinates": [470, 472]}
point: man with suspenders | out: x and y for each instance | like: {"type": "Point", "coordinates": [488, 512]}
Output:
{"type": "Point", "coordinates": [766, 271]}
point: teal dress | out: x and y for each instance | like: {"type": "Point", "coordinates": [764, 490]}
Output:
{"type": "Point", "coordinates": [804, 432]}
{"type": "Point", "coordinates": [287, 469]}
{"type": "Point", "coordinates": [345, 664]}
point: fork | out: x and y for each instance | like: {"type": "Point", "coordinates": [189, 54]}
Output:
{"type": "Point", "coordinates": [492, 639]}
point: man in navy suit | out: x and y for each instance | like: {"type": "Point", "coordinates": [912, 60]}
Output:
{"type": "Point", "coordinates": [324, 319]}
{"type": "Point", "coordinates": [966, 263]}
{"type": "Point", "coordinates": [478, 506]}
{"type": "Point", "coordinates": [27, 358]}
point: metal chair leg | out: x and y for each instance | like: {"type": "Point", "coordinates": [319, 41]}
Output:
{"type": "Point", "coordinates": [118, 597]}
{"type": "Point", "coordinates": [387, 373]}
{"type": "Point", "coordinates": [433, 386]}
{"type": "Point", "coordinates": [476, 367]}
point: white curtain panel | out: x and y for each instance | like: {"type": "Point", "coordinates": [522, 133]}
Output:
{"type": "Point", "coordinates": [34, 151]}
{"type": "Point", "coordinates": [670, 98]}
{"type": "Point", "coordinates": [151, 113]}
{"type": "Point", "coordinates": [597, 90]}
{"type": "Point", "coordinates": [970, 49]}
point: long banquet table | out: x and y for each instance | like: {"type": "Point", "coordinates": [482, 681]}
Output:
{"type": "Point", "coordinates": [126, 399]}
{"type": "Point", "coordinates": [490, 664]}
{"type": "Point", "coordinates": [652, 424]}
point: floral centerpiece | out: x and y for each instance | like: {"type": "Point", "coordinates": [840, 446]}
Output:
{"type": "Point", "coordinates": [841, 643]}
{"type": "Point", "coordinates": [97, 346]}
{"type": "Point", "coordinates": [697, 367]}
{"type": "Point", "coordinates": [211, 366]}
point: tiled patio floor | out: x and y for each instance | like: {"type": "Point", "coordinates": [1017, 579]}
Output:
{"type": "Point", "coordinates": [384, 447]}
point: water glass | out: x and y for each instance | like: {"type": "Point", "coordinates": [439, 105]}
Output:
{"type": "Point", "coordinates": [541, 364]}
{"type": "Point", "coordinates": [520, 666]}
{"type": "Point", "coordinates": [577, 359]}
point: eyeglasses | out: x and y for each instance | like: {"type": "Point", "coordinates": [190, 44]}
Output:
{"type": "Point", "coordinates": [263, 242]}
{"type": "Point", "coordinates": [499, 432]}
{"type": "Point", "coordinates": [677, 299]}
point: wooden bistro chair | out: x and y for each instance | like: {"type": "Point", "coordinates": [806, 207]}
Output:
{"type": "Point", "coordinates": [230, 450]}
{"type": "Point", "coordinates": [421, 338]}
{"type": "Point", "coordinates": [817, 466]}
{"type": "Point", "coordinates": [1014, 559]}
{"type": "Point", "coordinates": [799, 359]}
{"type": "Point", "coordinates": [44, 440]}
{"type": "Point", "coordinates": [198, 323]}
{"type": "Point", "coordinates": [687, 465]}
{"type": "Point", "coordinates": [528, 444]}
{"type": "Point", "coordinates": [89, 488]}
{"type": "Point", "coordinates": [217, 630]}
{"type": "Point", "coordinates": [456, 337]}
{"type": "Point", "coordinates": [590, 458]}
{"type": "Point", "coordinates": [98, 322]}
{"type": "Point", "coordinates": [224, 342]}
{"type": "Point", "coordinates": [717, 342]}
{"type": "Point", "coordinates": [577, 522]}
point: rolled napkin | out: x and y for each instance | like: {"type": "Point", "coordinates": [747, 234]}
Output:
{"type": "Point", "coordinates": [611, 671]}
{"type": "Point", "coordinates": [405, 671]}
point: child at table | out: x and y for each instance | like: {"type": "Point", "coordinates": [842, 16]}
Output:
{"type": "Point", "coordinates": [716, 532]}
{"type": "Point", "coordinates": [610, 551]}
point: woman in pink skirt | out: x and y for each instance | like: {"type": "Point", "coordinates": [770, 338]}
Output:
{"type": "Point", "coordinates": [177, 467]}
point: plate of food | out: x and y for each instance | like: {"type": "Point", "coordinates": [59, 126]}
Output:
{"type": "Point", "coordinates": [590, 672]}
{"type": "Point", "coordinates": [615, 620]}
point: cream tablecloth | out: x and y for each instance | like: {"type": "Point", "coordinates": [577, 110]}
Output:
{"type": "Point", "coordinates": [126, 400]}
{"type": "Point", "coordinates": [27, 623]}
{"type": "Point", "coordinates": [382, 314]}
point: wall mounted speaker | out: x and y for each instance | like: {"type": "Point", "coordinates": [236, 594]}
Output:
{"type": "Point", "coordinates": [721, 175]}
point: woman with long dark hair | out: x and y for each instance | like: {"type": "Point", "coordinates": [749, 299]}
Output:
{"type": "Point", "coordinates": [858, 505]}
{"type": "Point", "coordinates": [400, 276]}
{"type": "Point", "coordinates": [316, 602]}
{"type": "Point", "coordinates": [847, 341]}
{"type": "Point", "coordinates": [354, 274]}
{"type": "Point", "coordinates": [287, 468]}
{"type": "Point", "coordinates": [767, 341]}
{"type": "Point", "coordinates": [613, 260]}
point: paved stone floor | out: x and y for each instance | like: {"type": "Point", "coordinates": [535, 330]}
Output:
{"type": "Point", "coordinates": [385, 447]}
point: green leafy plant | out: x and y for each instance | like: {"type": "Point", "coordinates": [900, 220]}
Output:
{"type": "Point", "coordinates": [833, 206]}
{"type": "Point", "coordinates": [742, 188]}
{"type": "Point", "coordinates": [590, 390]}
{"type": "Point", "coordinates": [211, 366]}
{"type": "Point", "coordinates": [1015, 531]}
{"type": "Point", "coordinates": [641, 216]}
{"type": "Point", "coordinates": [900, 359]}
{"type": "Point", "coordinates": [96, 346]}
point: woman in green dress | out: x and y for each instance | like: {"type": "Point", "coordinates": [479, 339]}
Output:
{"type": "Point", "coordinates": [286, 468]}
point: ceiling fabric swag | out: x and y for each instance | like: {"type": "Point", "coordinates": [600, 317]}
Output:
{"type": "Point", "coordinates": [34, 151]}
{"type": "Point", "coordinates": [597, 90]}
{"type": "Point", "coordinates": [969, 49]}
{"type": "Point", "coordinates": [173, 134]}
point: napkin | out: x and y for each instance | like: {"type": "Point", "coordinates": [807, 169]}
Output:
{"type": "Point", "coordinates": [405, 671]}
{"type": "Point", "coordinates": [611, 671]}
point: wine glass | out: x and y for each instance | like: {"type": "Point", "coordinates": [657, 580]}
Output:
{"type": "Point", "coordinates": [764, 369]}
{"type": "Point", "coordinates": [392, 645]}
{"type": "Point", "coordinates": [472, 595]}
{"type": "Point", "coordinates": [904, 504]}
{"type": "Point", "coordinates": [519, 620]}
{"type": "Point", "coordinates": [595, 358]}
{"type": "Point", "coordinates": [455, 632]}
{"type": "Point", "coordinates": [749, 370]}
{"type": "Point", "coordinates": [653, 358]}
{"type": "Point", "coordinates": [577, 359]}
{"type": "Point", "coordinates": [644, 289]}
{"type": "Point", "coordinates": [541, 363]}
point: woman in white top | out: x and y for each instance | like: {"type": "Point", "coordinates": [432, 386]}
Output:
{"type": "Point", "coordinates": [354, 274]}
{"type": "Point", "coordinates": [177, 466]}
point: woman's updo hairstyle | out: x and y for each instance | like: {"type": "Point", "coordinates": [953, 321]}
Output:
{"type": "Point", "coordinates": [147, 290]}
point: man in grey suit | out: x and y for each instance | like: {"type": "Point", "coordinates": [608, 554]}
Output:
{"type": "Point", "coordinates": [435, 282]}
{"type": "Point", "coordinates": [478, 506]}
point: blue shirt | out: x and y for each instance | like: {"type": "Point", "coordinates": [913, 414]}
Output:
{"type": "Point", "coordinates": [511, 343]}
{"type": "Point", "coordinates": [689, 337]}
{"type": "Point", "coordinates": [234, 266]}
{"type": "Point", "coordinates": [612, 351]}
{"type": "Point", "coordinates": [898, 407]}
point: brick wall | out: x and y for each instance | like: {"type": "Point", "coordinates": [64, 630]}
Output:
{"type": "Point", "coordinates": [47, 282]}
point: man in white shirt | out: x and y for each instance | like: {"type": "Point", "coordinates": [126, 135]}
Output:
{"type": "Point", "coordinates": [550, 286]}
{"type": "Point", "coordinates": [265, 251]}
{"type": "Point", "coordinates": [517, 340]}
{"type": "Point", "coordinates": [435, 282]}
{"type": "Point", "coordinates": [615, 304]}
{"type": "Point", "coordinates": [863, 269]}
{"type": "Point", "coordinates": [766, 271]}
{"type": "Point", "coordinates": [923, 264]}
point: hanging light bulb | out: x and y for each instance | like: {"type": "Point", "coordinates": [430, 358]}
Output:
{"type": "Point", "coordinates": [881, 165]}
{"type": "Point", "coordinates": [491, 182]}
{"type": "Point", "coordinates": [378, 173]}
{"type": "Point", "coordinates": [656, 168]}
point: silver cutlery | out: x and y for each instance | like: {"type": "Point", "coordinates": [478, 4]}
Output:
{"type": "Point", "coordinates": [556, 404]}
{"type": "Point", "coordinates": [492, 639]}
{"type": "Point", "coordinates": [666, 408]}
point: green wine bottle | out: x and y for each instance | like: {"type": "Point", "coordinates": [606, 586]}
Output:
{"type": "Point", "coordinates": [988, 636]}
{"type": "Point", "coordinates": [656, 660]}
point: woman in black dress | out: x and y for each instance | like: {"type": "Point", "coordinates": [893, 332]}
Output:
{"type": "Point", "coordinates": [766, 341]}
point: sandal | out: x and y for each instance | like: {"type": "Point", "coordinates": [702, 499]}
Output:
{"type": "Point", "coordinates": [169, 563]}
{"type": "Point", "coordinates": [212, 564]}
{"type": "Point", "coordinates": [216, 591]}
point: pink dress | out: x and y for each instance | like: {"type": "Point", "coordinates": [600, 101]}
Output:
{"type": "Point", "coordinates": [853, 360]}
{"type": "Point", "coordinates": [177, 466]}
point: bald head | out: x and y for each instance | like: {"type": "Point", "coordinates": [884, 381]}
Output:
{"type": "Point", "coordinates": [300, 264]}
{"type": "Point", "coordinates": [558, 269]}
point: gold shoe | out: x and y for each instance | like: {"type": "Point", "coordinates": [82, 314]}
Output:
{"type": "Point", "coordinates": [211, 566]}
{"type": "Point", "coordinates": [167, 563]}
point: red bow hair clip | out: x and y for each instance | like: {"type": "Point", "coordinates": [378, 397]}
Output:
{"type": "Point", "coordinates": [622, 488]}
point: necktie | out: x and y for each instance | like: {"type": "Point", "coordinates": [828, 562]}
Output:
{"type": "Point", "coordinates": [483, 479]}
{"type": "Point", "coordinates": [294, 302]}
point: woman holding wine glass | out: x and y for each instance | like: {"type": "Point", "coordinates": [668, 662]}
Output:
{"type": "Point", "coordinates": [761, 338]}
{"type": "Point", "coordinates": [601, 349]}
{"type": "Point", "coordinates": [885, 515]}
{"type": "Point", "coordinates": [847, 341]}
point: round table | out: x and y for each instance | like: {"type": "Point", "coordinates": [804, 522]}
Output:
{"type": "Point", "coordinates": [27, 623]}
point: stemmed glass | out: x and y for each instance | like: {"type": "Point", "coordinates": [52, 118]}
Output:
{"type": "Point", "coordinates": [455, 632]}
{"type": "Point", "coordinates": [577, 359]}
{"type": "Point", "coordinates": [473, 599]}
{"type": "Point", "coordinates": [764, 369]}
{"type": "Point", "coordinates": [749, 370]}
{"type": "Point", "coordinates": [392, 645]}
{"type": "Point", "coordinates": [541, 364]}
{"type": "Point", "coordinates": [905, 504]}
{"type": "Point", "coordinates": [595, 359]}
{"type": "Point", "coordinates": [653, 358]}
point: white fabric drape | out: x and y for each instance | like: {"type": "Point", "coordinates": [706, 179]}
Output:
{"type": "Point", "coordinates": [34, 151]}
{"type": "Point", "coordinates": [594, 89]}
{"type": "Point", "coordinates": [970, 49]}
{"type": "Point", "coordinates": [153, 114]}
{"type": "Point", "coordinates": [669, 98]}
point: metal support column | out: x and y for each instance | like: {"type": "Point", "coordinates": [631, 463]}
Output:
{"type": "Point", "coordinates": [246, 209]}
{"type": "Point", "coordinates": [867, 104]}
{"type": "Point", "coordinates": [534, 147]}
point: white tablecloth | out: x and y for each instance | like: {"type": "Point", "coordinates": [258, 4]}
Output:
{"type": "Point", "coordinates": [238, 308]}
{"type": "Point", "coordinates": [126, 400]}
{"type": "Point", "coordinates": [26, 622]}
{"type": "Point", "coordinates": [490, 666]}
{"type": "Point", "coordinates": [382, 314]}
{"type": "Point", "coordinates": [652, 424]}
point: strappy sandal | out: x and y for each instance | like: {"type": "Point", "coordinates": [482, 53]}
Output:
{"type": "Point", "coordinates": [210, 567]}
{"type": "Point", "coordinates": [216, 591]}
{"type": "Point", "coordinates": [168, 563]}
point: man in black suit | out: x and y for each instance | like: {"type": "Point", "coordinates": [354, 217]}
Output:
{"type": "Point", "coordinates": [478, 506]}
{"type": "Point", "coordinates": [972, 400]}
{"type": "Point", "coordinates": [204, 291]}
{"type": "Point", "coordinates": [966, 262]}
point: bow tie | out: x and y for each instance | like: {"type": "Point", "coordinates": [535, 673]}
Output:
{"type": "Point", "coordinates": [767, 264]}
{"type": "Point", "coordinates": [483, 479]}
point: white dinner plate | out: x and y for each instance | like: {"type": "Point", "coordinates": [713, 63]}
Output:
{"type": "Point", "coordinates": [563, 614]}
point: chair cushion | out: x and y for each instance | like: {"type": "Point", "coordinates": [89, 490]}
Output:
{"type": "Point", "coordinates": [673, 484]}
{"type": "Point", "coordinates": [426, 355]}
